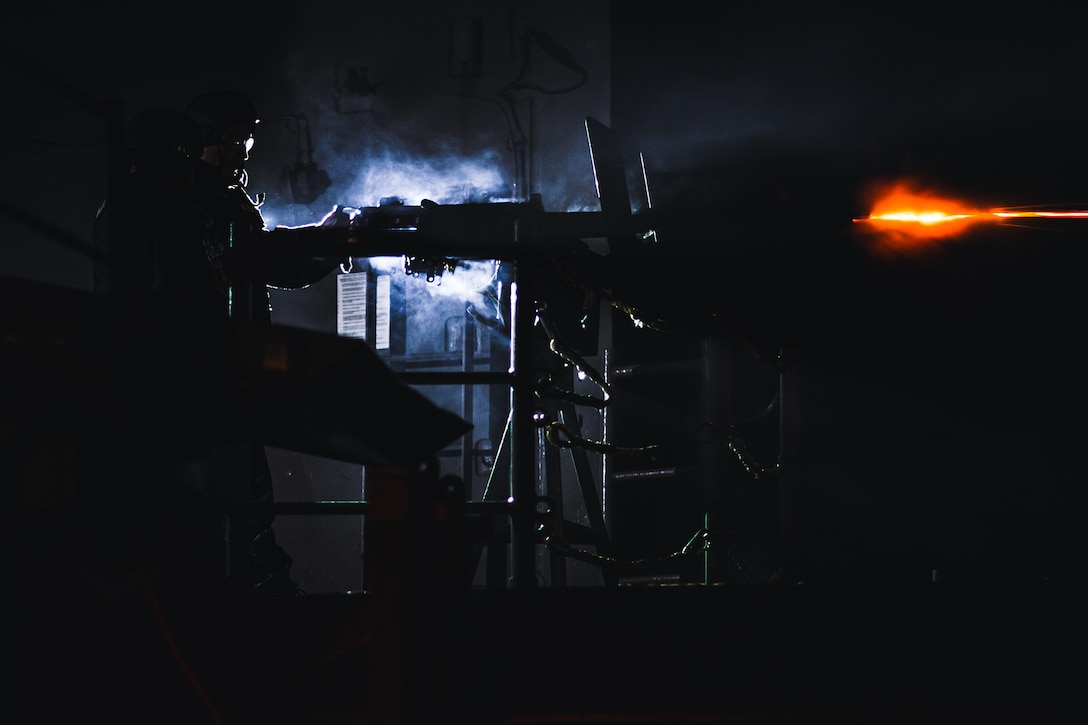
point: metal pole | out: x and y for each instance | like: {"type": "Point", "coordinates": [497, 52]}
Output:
{"type": "Point", "coordinates": [714, 413]}
{"type": "Point", "coordinates": [789, 452]}
{"type": "Point", "coordinates": [523, 438]}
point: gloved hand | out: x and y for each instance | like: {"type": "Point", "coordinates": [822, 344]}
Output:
{"type": "Point", "coordinates": [340, 216]}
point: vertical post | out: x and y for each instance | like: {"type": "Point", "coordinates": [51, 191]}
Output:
{"type": "Point", "coordinates": [523, 438]}
{"type": "Point", "coordinates": [714, 389]}
{"type": "Point", "coordinates": [789, 453]}
{"type": "Point", "coordinates": [119, 287]}
{"type": "Point", "coordinates": [468, 393]}
{"type": "Point", "coordinates": [120, 257]}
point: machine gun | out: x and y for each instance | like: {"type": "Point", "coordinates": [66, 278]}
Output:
{"type": "Point", "coordinates": [503, 230]}
{"type": "Point", "coordinates": [434, 238]}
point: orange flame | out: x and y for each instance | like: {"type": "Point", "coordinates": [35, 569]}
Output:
{"type": "Point", "coordinates": [906, 219]}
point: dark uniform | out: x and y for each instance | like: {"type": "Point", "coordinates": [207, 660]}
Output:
{"type": "Point", "coordinates": [192, 265]}
{"type": "Point", "coordinates": [142, 460]}
{"type": "Point", "coordinates": [233, 233]}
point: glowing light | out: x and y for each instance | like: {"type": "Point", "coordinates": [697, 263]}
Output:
{"type": "Point", "coordinates": [922, 217]}
{"type": "Point", "coordinates": [1042, 214]}
{"type": "Point", "coordinates": [904, 209]}
{"type": "Point", "coordinates": [906, 218]}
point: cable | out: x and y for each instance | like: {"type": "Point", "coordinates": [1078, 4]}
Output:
{"type": "Point", "coordinates": [145, 581]}
{"type": "Point", "coordinates": [556, 430]}
{"type": "Point", "coordinates": [697, 544]}
{"type": "Point", "coordinates": [553, 50]}
{"type": "Point", "coordinates": [560, 434]}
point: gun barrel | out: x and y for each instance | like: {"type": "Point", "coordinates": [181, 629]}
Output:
{"type": "Point", "coordinates": [468, 231]}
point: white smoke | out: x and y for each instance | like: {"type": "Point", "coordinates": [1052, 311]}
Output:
{"type": "Point", "coordinates": [445, 180]}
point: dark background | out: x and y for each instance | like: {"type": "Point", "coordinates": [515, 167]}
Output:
{"type": "Point", "coordinates": [941, 393]}
{"type": "Point", "coordinates": [937, 415]}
